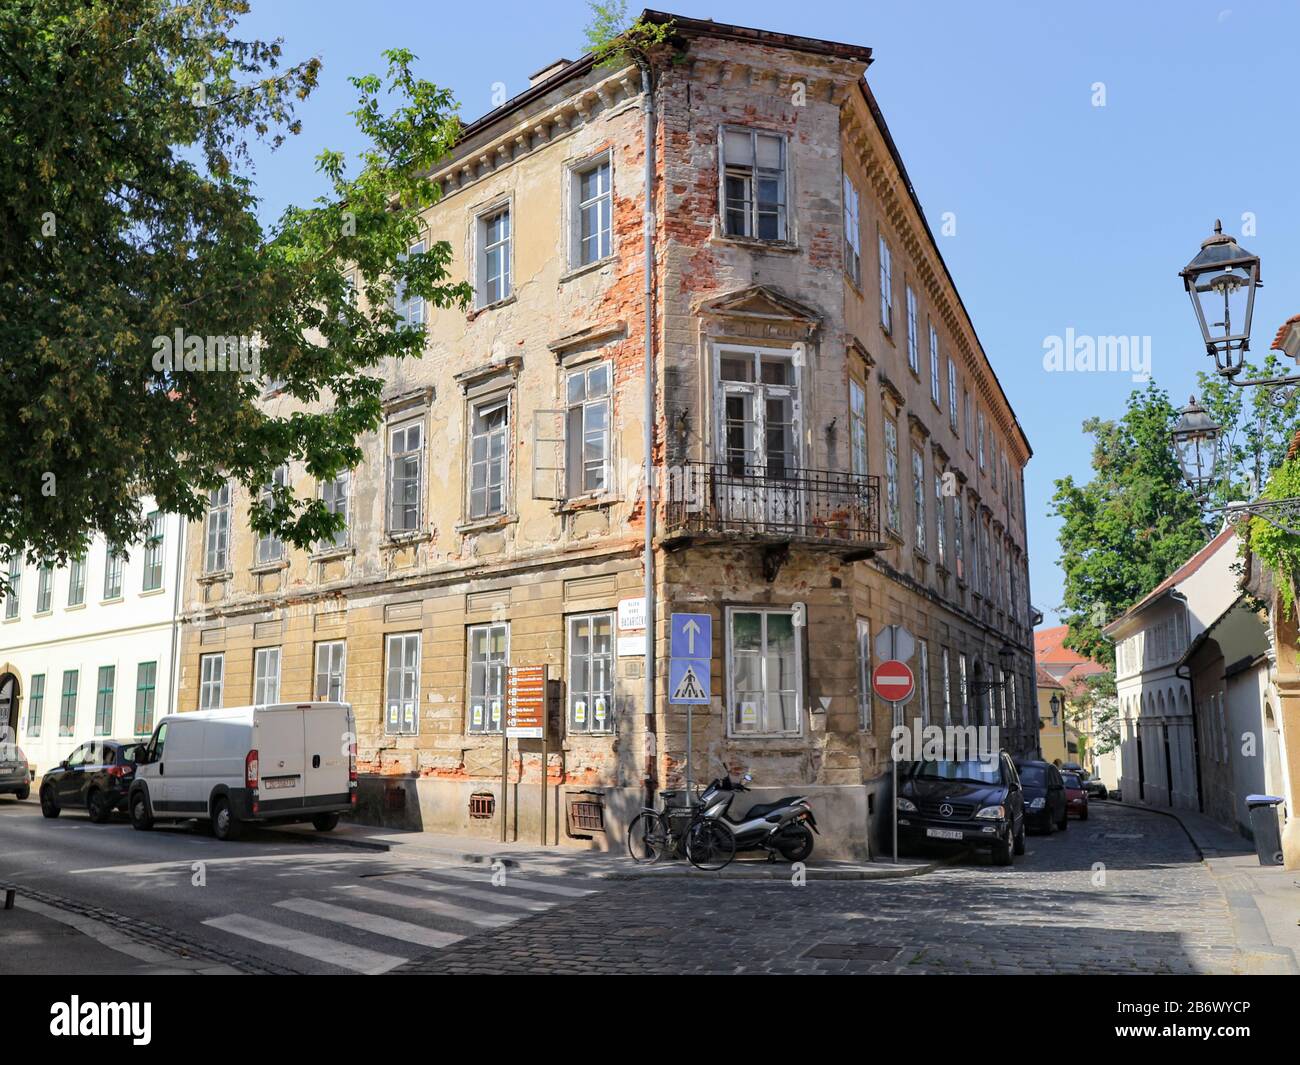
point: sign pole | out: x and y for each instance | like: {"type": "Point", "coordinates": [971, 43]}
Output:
{"type": "Point", "coordinates": [544, 730]}
{"type": "Point", "coordinates": [894, 759]}
{"type": "Point", "coordinates": [505, 764]}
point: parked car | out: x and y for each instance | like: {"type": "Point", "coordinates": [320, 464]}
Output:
{"type": "Point", "coordinates": [15, 773]}
{"type": "Point", "coordinates": [975, 803]}
{"type": "Point", "coordinates": [285, 762]}
{"type": "Point", "coordinates": [1095, 788]}
{"type": "Point", "coordinates": [95, 776]}
{"type": "Point", "coordinates": [1076, 796]}
{"type": "Point", "coordinates": [1044, 795]}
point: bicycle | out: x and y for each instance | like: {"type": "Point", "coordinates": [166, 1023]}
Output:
{"type": "Point", "coordinates": [657, 834]}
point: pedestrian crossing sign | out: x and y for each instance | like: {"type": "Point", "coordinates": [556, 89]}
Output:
{"type": "Point", "coordinates": [688, 681]}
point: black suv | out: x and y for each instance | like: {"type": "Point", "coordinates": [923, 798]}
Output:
{"type": "Point", "coordinates": [1043, 791]}
{"type": "Point", "coordinates": [15, 774]}
{"type": "Point", "coordinates": [976, 802]}
{"type": "Point", "coordinates": [96, 775]}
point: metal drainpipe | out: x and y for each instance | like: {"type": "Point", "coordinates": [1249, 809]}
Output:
{"type": "Point", "coordinates": [648, 211]}
{"type": "Point", "coordinates": [176, 607]}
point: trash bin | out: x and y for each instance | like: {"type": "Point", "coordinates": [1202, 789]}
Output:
{"type": "Point", "coordinates": [1264, 823]}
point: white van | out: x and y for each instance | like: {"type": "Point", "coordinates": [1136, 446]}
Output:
{"type": "Point", "coordinates": [286, 762]}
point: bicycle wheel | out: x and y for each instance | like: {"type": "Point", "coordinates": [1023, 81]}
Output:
{"type": "Point", "coordinates": [647, 837]}
{"type": "Point", "coordinates": [709, 845]}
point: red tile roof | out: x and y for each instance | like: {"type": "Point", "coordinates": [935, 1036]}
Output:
{"type": "Point", "coordinates": [1045, 680]}
{"type": "Point", "coordinates": [1050, 649]}
{"type": "Point", "coordinates": [1279, 341]}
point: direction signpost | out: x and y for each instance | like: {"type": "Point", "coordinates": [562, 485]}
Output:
{"type": "Point", "coordinates": [690, 674]}
{"type": "Point", "coordinates": [525, 719]}
{"type": "Point", "coordinates": [892, 680]}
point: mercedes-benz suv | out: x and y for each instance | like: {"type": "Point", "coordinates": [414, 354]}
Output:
{"type": "Point", "coordinates": [969, 803]}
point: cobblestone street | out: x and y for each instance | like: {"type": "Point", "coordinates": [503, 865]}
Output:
{"type": "Point", "coordinates": [1123, 892]}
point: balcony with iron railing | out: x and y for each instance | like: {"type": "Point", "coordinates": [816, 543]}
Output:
{"type": "Point", "coordinates": [729, 501]}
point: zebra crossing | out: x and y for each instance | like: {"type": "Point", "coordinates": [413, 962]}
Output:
{"type": "Point", "coordinates": [370, 927]}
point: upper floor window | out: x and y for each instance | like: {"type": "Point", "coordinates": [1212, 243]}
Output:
{"type": "Point", "coordinates": [970, 436]}
{"type": "Point", "coordinates": [586, 430]}
{"type": "Point", "coordinates": [918, 498]}
{"type": "Point", "coordinates": [153, 553]}
{"type": "Point", "coordinates": [952, 395]}
{"type": "Point", "coordinates": [852, 233]}
{"type": "Point", "coordinates": [489, 430]}
{"type": "Point", "coordinates": [753, 182]}
{"type": "Point", "coordinates": [592, 213]}
{"type": "Point", "coordinates": [44, 587]}
{"type": "Point", "coordinates": [979, 454]}
{"type": "Point", "coordinates": [494, 257]}
{"type": "Point", "coordinates": [940, 521]}
{"type": "Point", "coordinates": [913, 358]}
{"type": "Point", "coordinates": [77, 582]}
{"type": "Point", "coordinates": [113, 560]}
{"type": "Point", "coordinates": [857, 428]}
{"type": "Point", "coordinates": [891, 474]}
{"type": "Point", "coordinates": [14, 594]}
{"type": "Point", "coordinates": [216, 555]}
{"type": "Point", "coordinates": [959, 539]}
{"type": "Point", "coordinates": [334, 494]}
{"type": "Point", "coordinates": [409, 307]}
{"type": "Point", "coordinates": [270, 548]}
{"type": "Point", "coordinates": [886, 288]}
{"type": "Point", "coordinates": [405, 471]}
{"type": "Point", "coordinates": [934, 365]}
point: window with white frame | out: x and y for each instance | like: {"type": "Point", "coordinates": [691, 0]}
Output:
{"type": "Point", "coordinates": [940, 522]}
{"type": "Point", "coordinates": [113, 563]}
{"type": "Point", "coordinates": [494, 255]}
{"type": "Point", "coordinates": [212, 681]}
{"type": "Point", "coordinates": [591, 673]}
{"type": "Point", "coordinates": [952, 395]}
{"type": "Point", "coordinates": [44, 587]}
{"type": "Point", "coordinates": [402, 684]}
{"type": "Point", "coordinates": [335, 494]}
{"type": "Point", "coordinates": [852, 233]}
{"type": "Point", "coordinates": [489, 660]}
{"type": "Point", "coordinates": [331, 663]}
{"type": "Point", "coordinates": [934, 365]}
{"type": "Point", "coordinates": [586, 429]}
{"type": "Point", "coordinates": [864, 674]}
{"type": "Point", "coordinates": [918, 498]}
{"type": "Point", "coordinates": [891, 474]}
{"type": "Point", "coordinates": [886, 287]}
{"type": "Point", "coordinates": [266, 676]}
{"type": "Point", "coordinates": [405, 476]}
{"type": "Point", "coordinates": [270, 548]}
{"type": "Point", "coordinates": [947, 689]}
{"type": "Point", "coordinates": [913, 356]}
{"type": "Point", "coordinates": [923, 651]}
{"type": "Point", "coordinates": [77, 582]}
{"type": "Point", "coordinates": [759, 401]}
{"type": "Point", "coordinates": [489, 456]}
{"type": "Point", "coordinates": [764, 674]}
{"type": "Point", "coordinates": [592, 197]}
{"type": "Point", "coordinates": [857, 428]}
{"type": "Point", "coordinates": [409, 307]}
{"type": "Point", "coordinates": [153, 553]}
{"type": "Point", "coordinates": [753, 184]}
{"type": "Point", "coordinates": [216, 553]}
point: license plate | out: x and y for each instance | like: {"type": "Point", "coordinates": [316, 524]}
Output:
{"type": "Point", "coordinates": [279, 782]}
{"type": "Point", "coordinates": [943, 833]}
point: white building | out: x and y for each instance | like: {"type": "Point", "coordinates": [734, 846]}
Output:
{"type": "Point", "coordinates": [87, 650]}
{"type": "Point", "coordinates": [1158, 738]}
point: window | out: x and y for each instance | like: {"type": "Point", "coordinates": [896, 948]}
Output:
{"type": "Point", "coordinates": [1006, 479]}
{"type": "Point", "coordinates": [918, 497]}
{"type": "Point", "coordinates": [864, 674]}
{"type": "Point", "coordinates": [934, 365]}
{"type": "Point", "coordinates": [753, 182]}
{"type": "Point", "coordinates": [986, 582]}
{"type": "Point", "coordinates": [212, 678]}
{"type": "Point", "coordinates": [14, 594]}
{"type": "Point", "coordinates": [891, 474]}
{"type": "Point", "coordinates": [217, 533]}
{"type": "Point", "coordinates": [77, 582]}
{"type": "Point", "coordinates": [886, 288]}
{"type": "Point", "coordinates": [993, 462]}
{"type": "Point", "coordinates": [759, 397]}
{"type": "Point", "coordinates": [913, 358]}
{"type": "Point", "coordinates": [405, 470]}
{"type": "Point", "coordinates": [489, 428]}
{"type": "Point", "coordinates": [962, 689]}
{"type": "Point", "coordinates": [68, 706]}
{"type": "Point", "coordinates": [586, 430]}
{"type": "Point", "coordinates": [923, 647]}
{"type": "Point", "coordinates": [489, 657]}
{"type": "Point", "coordinates": [153, 553]}
{"type": "Point", "coordinates": [940, 522]}
{"type": "Point", "coordinates": [974, 550]}
{"type": "Point", "coordinates": [402, 688]}
{"type": "Point", "coordinates": [763, 673]}
{"type": "Point", "coordinates": [331, 663]}
{"type": "Point", "coordinates": [965, 399]}
{"type": "Point", "coordinates": [980, 451]}
{"type": "Point", "coordinates": [857, 428]}
{"type": "Point", "coordinates": [266, 676]}
{"type": "Point", "coordinates": [104, 701]}
{"type": "Point", "coordinates": [494, 257]}
{"type": "Point", "coordinates": [409, 307]}
{"type": "Point", "coordinates": [36, 705]}
{"type": "Point", "coordinates": [334, 494]}
{"type": "Point", "coordinates": [270, 548]}
{"type": "Point", "coordinates": [952, 395]}
{"type": "Point", "coordinates": [852, 233]}
{"type": "Point", "coordinates": [113, 559]}
{"type": "Point", "coordinates": [591, 673]}
{"type": "Point", "coordinates": [44, 587]}
{"type": "Point", "coordinates": [146, 678]}
{"type": "Point", "coordinates": [947, 690]}
{"type": "Point", "coordinates": [592, 214]}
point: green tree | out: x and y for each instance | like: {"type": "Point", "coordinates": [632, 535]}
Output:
{"type": "Point", "coordinates": [130, 213]}
{"type": "Point", "coordinates": [1094, 710]}
{"type": "Point", "coordinates": [1127, 528]}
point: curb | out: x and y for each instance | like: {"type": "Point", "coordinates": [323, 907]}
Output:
{"type": "Point", "coordinates": [1200, 854]}
{"type": "Point", "coordinates": [378, 846]}
{"type": "Point", "coordinates": [782, 873]}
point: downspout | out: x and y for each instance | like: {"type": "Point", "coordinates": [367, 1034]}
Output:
{"type": "Point", "coordinates": [176, 613]}
{"type": "Point", "coordinates": [648, 213]}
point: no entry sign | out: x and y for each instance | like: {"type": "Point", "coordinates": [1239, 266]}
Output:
{"type": "Point", "coordinates": [892, 681]}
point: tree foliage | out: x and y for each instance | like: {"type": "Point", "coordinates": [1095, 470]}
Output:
{"type": "Point", "coordinates": [1130, 526]}
{"type": "Point", "coordinates": [1096, 707]}
{"type": "Point", "coordinates": [130, 213]}
{"type": "Point", "coordinates": [614, 38]}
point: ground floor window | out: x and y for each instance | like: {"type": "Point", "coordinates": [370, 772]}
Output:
{"type": "Point", "coordinates": [146, 678]}
{"type": "Point", "coordinates": [266, 676]}
{"type": "Point", "coordinates": [591, 673]}
{"type": "Point", "coordinates": [68, 707]}
{"type": "Point", "coordinates": [764, 678]}
{"type": "Point", "coordinates": [864, 674]}
{"type": "Point", "coordinates": [962, 689]}
{"type": "Point", "coordinates": [36, 705]}
{"type": "Point", "coordinates": [212, 681]}
{"type": "Point", "coordinates": [330, 659]}
{"type": "Point", "coordinates": [489, 658]}
{"type": "Point", "coordinates": [923, 649]}
{"type": "Point", "coordinates": [947, 690]}
{"type": "Point", "coordinates": [402, 688]}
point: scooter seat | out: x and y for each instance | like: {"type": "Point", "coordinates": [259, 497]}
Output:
{"type": "Point", "coordinates": [762, 809]}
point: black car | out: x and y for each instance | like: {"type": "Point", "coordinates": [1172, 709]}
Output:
{"type": "Point", "coordinates": [1095, 788]}
{"type": "Point", "coordinates": [972, 803]}
{"type": "Point", "coordinates": [1044, 795]}
{"type": "Point", "coordinates": [95, 776]}
{"type": "Point", "coordinates": [15, 776]}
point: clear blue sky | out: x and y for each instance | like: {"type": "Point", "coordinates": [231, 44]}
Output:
{"type": "Point", "coordinates": [1068, 215]}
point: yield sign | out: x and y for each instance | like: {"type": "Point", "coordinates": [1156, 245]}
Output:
{"type": "Point", "coordinates": [892, 681]}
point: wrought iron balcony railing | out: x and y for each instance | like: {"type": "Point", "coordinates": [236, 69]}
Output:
{"type": "Point", "coordinates": [730, 499]}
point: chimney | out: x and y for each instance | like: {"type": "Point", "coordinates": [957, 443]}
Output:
{"type": "Point", "coordinates": [546, 71]}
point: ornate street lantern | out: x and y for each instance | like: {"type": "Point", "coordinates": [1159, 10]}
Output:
{"type": "Point", "coordinates": [1221, 282]}
{"type": "Point", "coordinates": [1007, 657]}
{"type": "Point", "coordinates": [1196, 444]}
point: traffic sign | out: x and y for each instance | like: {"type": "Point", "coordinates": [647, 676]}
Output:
{"type": "Point", "coordinates": [689, 681]}
{"type": "Point", "coordinates": [894, 641]}
{"type": "Point", "coordinates": [892, 681]}
{"type": "Point", "coordinates": [692, 636]}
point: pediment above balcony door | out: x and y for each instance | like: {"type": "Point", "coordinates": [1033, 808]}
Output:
{"type": "Point", "coordinates": [757, 312]}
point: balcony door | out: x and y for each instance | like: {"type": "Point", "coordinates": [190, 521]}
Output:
{"type": "Point", "coordinates": [758, 426]}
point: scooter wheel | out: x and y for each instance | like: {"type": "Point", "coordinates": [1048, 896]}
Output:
{"type": "Point", "coordinates": [796, 843]}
